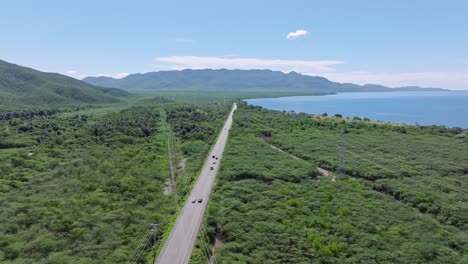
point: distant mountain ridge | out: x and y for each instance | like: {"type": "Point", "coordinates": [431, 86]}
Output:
{"type": "Point", "coordinates": [21, 85]}
{"type": "Point", "coordinates": [238, 80]}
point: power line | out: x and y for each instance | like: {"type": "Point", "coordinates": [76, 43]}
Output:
{"type": "Point", "coordinates": [149, 233]}
{"type": "Point", "coordinates": [212, 250]}
{"type": "Point", "coordinates": [341, 170]}
{"type": "Point", "coordinates": [138, 256]}
{"type": "Point", "coordinates": [202, 246]}
{"type": "Point", "coordinates": [394, 172]}
{"type": "Point", "coordinates": [341, 153]}
{"type": "Point", "coordinates": [409, 164]}
{"type": "Point", "coordinates": [135, 253]}
{"type": "Point", "coordinates": [400, 150]}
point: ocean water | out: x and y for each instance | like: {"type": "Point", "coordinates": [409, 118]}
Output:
{"type": "Point", "coordinates": [448, 108]}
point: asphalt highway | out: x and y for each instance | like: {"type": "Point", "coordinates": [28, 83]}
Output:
{"type": "Point", "coordinates": [178, 247]}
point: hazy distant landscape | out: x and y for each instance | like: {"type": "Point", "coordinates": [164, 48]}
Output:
{"type": "Point", "coordinates": [234, 132]}
{"type": "Point", "coordinates": [239, 80]}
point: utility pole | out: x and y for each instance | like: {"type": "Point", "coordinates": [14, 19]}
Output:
{"type": "Point", "coordinates": [154, 229]}
{"type": "Point", "coordinates": [341, 153]}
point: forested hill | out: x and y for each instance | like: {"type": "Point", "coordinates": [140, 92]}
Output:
{"type": "Point", "coordinates": [241, 80]}
{"type": "Point", "coordinates": [21, 85]}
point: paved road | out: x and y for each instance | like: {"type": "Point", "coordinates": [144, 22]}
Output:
{"type": "Point", "coordinates": [179, 245]}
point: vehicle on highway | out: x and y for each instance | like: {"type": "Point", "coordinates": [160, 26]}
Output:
{"type": "Point", "coordinates": [216, 157]}
{"type": "Point", "coordinates": [211, 168]}
{"type": "Point", "coordinates": [213, 156]}
{"type": "Point", "coordinates": [194, 200]}
{"type": "Point", "coordinates": [200, 200]}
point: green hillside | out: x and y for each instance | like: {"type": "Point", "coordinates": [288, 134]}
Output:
{"type": "Point", "coordinates": [21, 85]}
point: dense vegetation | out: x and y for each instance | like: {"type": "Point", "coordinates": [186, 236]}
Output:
{"type": "Point", "coordinates": [20, 85]}
{"type": "Point", "coordinates": [83, 186]}
{"type": "Point", "coordinates": [236, 80]}
{"type": "Point", "coordinates": [403, 198]}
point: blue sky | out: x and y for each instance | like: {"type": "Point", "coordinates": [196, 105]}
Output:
{"type": "Point", "coordinates": [387, 42]}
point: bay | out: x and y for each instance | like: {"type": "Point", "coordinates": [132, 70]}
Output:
{"type": "Point", "coordinates": [446, 108]}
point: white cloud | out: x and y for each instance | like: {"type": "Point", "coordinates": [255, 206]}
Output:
{"type": "Point", "coordinates": [121, 75]}
{"type": "Point", "coordinates": [74, 74]}
{"type": "Point", "coordinates": [297, 33]}
{"type": "Point", "coordinates": [195, 62]}
{"type": "Point", "coordinates": [71, 72]}
{"type": "Point", "coordinates": [118, 75]}
{"type": "Point", "coordinates": [80, 75]}
{"type": "Point", "coordinates": [448, 80]}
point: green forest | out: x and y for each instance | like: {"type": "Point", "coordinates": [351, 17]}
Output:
{"type": "Point", "coordinates": [82, 184]}
{"type": "Point", "coordinates": [396, 194]}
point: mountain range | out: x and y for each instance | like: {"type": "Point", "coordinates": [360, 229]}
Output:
{"type": "Point", "coordinates": [22, 85]}
{"type": "Point", "coordinates": [19, 85]}
{"type": "Point", "coordinates": [238, 80]}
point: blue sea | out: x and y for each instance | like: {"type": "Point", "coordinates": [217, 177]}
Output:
{"type": "Point", "coordinates": [447, 108]}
